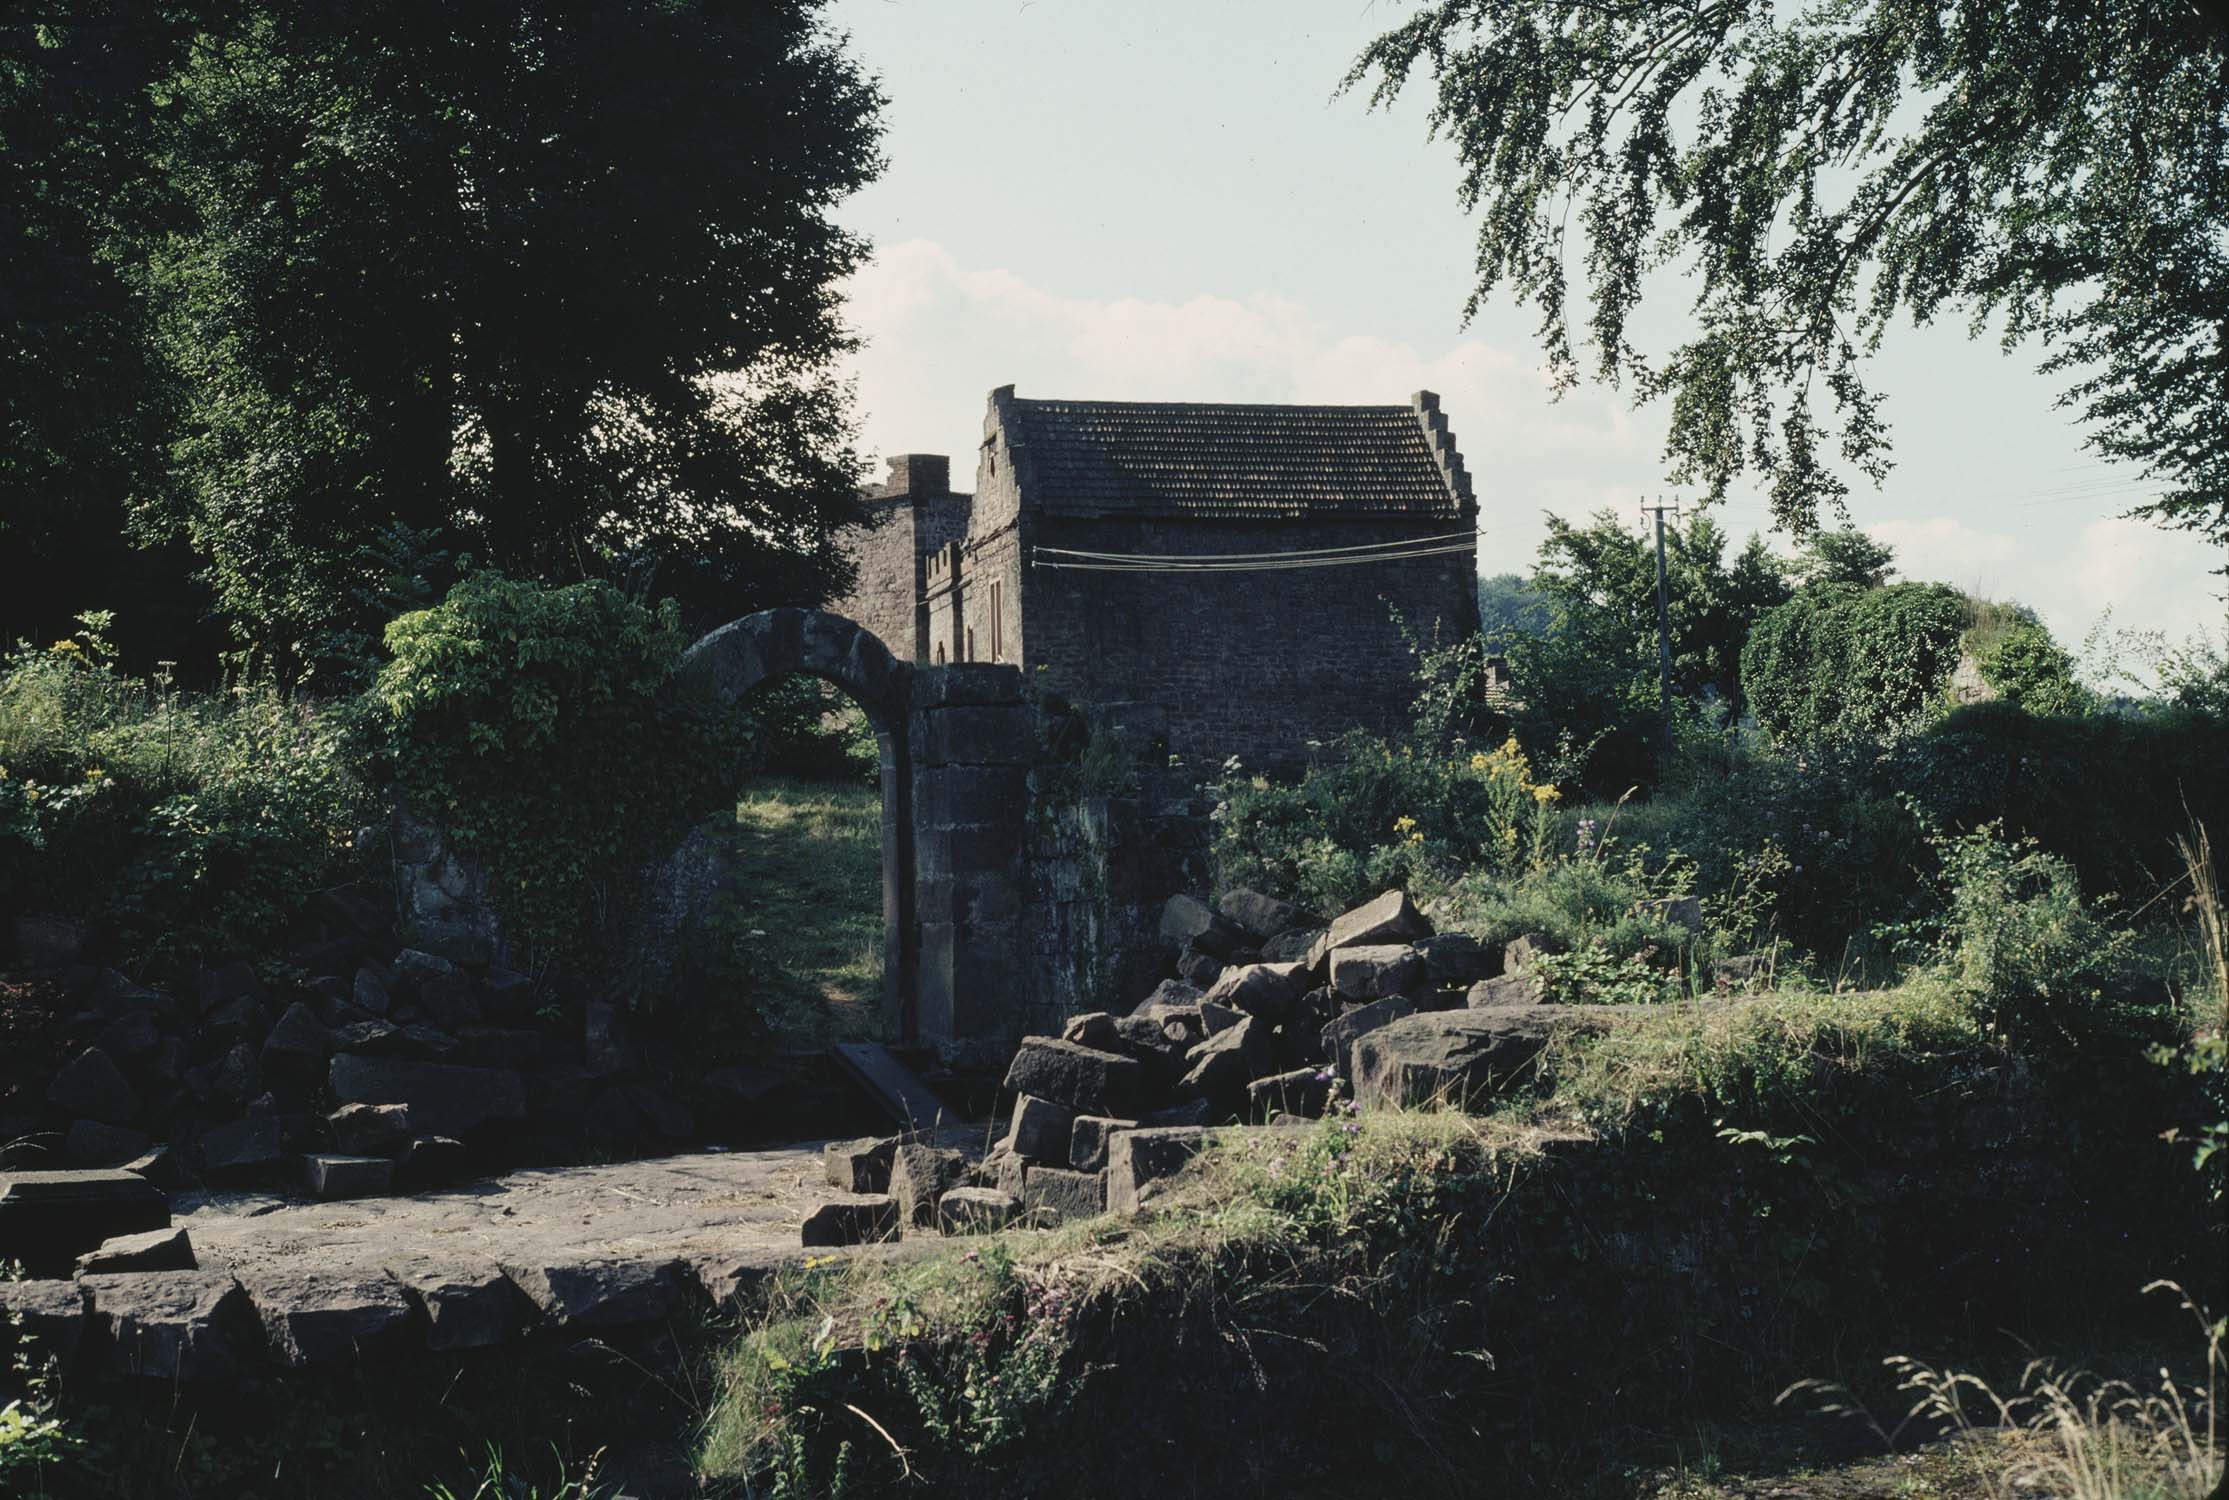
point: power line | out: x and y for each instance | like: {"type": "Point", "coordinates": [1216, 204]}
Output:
{"type": "Point", "coordinates": [1167, 565]}
{"type": "Point", "coordinates": [1405, 542]}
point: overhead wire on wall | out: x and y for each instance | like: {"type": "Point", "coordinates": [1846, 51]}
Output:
{"type": "Point", "coordinates": [1446, 544]}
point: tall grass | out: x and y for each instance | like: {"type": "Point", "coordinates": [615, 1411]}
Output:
{"type": "Point", "coordinates": [2072, 1435]}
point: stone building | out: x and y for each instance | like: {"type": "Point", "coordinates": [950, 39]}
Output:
{"type": "Point", "coordinates": [1199, 558]}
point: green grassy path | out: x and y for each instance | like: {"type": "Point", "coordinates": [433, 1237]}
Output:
{"type": "Point", "coordinates": [811, 860]}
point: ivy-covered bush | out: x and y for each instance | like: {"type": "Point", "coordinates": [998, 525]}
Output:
{"type": "Point", "coordinates": [1838, 660]}
{"type": "Point", "coordinates": [182, 825]}
{"type": "Point", "coordinates": [2032, 671]}
{"type": "Point", "coordinates": [544, 730]}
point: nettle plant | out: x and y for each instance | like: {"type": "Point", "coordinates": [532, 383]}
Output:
{"type": "Point", "coordinates": [545, 730]}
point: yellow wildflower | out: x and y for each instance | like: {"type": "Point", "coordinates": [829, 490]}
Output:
{"type": "Point", "coordinates": [1403, 824]}
{"type": "Point", "coordinates": [1545, 794]}
{"type": "Point", "coordinates": [1478, 760]}
{"type": "Point", "coordinates": [94, 773]}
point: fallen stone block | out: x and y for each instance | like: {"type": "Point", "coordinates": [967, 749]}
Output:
{"type": "Point", "coordinates": [1138, 1159]}
{"type": "Point", "coordinates": [859, 1166]}
{"type": "Point", "coordinates": [430, 1160]}
{"type": "Point", "coordinates": [92, 1144]}
{"type": "Point", "coordinates": [1522, 988]}
{"type": "Point", "coordinates": [1521, 953]}
{"type": "Point", "coordinates": [919, 1175]}
{"type": "Point", "coordinates": [1083, 1078]}
{"type": "Point", "coordinates": [52, 1313]}
{"type": "Point", "coordinates": [1374, 971]}
{"type": "Point", "coordinates": [1303, 1092]}
{"type": "Point", "coordinates": [171, 1325]}
{"type": "Point", "coordinates": [1041, 1129]}
{"type": "Point", "coordinates": [1190, 1112]}
{"type": "Point", "coordinates": [91, 1086]}
{"type": "Point", "coordinates": [1264, 990]}
{"type": "Point", "coordinates": [329, 1176]}
{"type": "Point", "coordinates": [1094, 1029]}
{"type": "Point", "coordinates": [976, 1210]}
{"type": "Point", "coordinates": [443, 1100]}
{"type": "Point", "coordinates": [1340, 1036]}
{"type": "Point", "coordinates": [1169, 992]}
{"type": "Point", "coordinates": [1263, 917]}
{"type": "Point", "coordinates": [467, 1304]}
{"type": "Point", "coordinates": [313, 1317]}
{"type": "Point", "coordinates": [1388, 918]}
{"type": "Point", "coordinates": [1455, 959]}
{"type": "Point", "coordinates": [298, 1039]}
{"type": "Point", "coordinates": [1292, 947]}
{"type": "Point", "coordinates": [1087, 1140]}
{"type": "Point", "coordinates": [49, 1219]}
{"type": "Point", "coordinates": [1187, 921]}
{"type": "Point", "coordinates": [1219, 1068]}
{"type": "Point", "coordinates": [164, 1166]}
{"type": "Point", "coordinates": [859, 1219]}
{"type": "Point", "coordinates": [602, 1293]}
{"type": "Point", "coordinates": [1054, 1195]}
{"type": "Point", "coordinates": [247, 1144]}
{"type": "Point", "coordinates": [1198, 969]}
{"type": "Point", "coordinates": [370, 1129]}
{"type": "Point", "coordinates": [153, 1250]}
{"type": "Point", "coordinates": [1455, 1058]}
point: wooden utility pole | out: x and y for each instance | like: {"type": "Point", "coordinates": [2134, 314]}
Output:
{"type": "Point", "coordinates": [1663, 617]}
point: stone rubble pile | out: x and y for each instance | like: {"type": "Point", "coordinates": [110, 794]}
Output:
{"type": "Point", "coordinates": [380, 1068]}
{"type": "Point", "coordinates": [1273, 1010]}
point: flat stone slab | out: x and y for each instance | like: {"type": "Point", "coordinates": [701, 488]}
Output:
{"type": "Point", "coordinates": [51, 1312]}
{"type": "Point", "coordinates": [604, 1293]}
{"type": "Point", "coordinates": [468, 1304]}
{"type": "Point", "coordinates": [739, 1210]}
{"type": "Point", "coordinates": [155, 1250]}
{"type": "Point", "coordinates": [312, 1318]}
{"type": "Point", "coordinates": [171, 1325]}
{"type": "Point", "coordinates": [49, 1219]}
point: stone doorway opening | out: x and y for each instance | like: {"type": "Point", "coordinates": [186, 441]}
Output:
{"type": "Point", "coordinates": [823, 865]}
{"type": "Point", "coordinates": [803, 898]}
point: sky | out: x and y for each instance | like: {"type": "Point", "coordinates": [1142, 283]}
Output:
{"type": "Point", "coordinates": [1148, 200]}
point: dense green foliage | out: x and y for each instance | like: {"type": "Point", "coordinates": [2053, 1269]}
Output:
{"type": "Point", "coordinates": [1508, 605]}
{"type": "Point", "coordinates": [1816, 171]}
{"type": "Point", "coordinates": [1836, 660]}
{"type": "Point", "coordinates": [188, 825]}
{"type": "Point", "coordinates": [1605, 573]}
{"type": "Point", "coordinates": [1370, 814]}
{"type": "Point", "coordinates": [2032, 671]}
{"type": "Point", "coordinates": [356, 297]}
{"type": "Point", "coordinates": [544, 731]}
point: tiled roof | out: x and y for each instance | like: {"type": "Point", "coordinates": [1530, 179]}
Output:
{"type": "Point", "coordinates": [1174, 458]}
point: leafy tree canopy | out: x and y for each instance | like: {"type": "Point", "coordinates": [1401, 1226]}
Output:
{"type": "Point", "coordinates": [545, 287]}
{"type": "Point", "coordinates": [1821, 168]}
{"type": "Point", "coordinates": [1844, 555]}
{"type": "Point", "coordinates": [1506, 603]}
{"type": "Point", "coordinates": [1600, 580]}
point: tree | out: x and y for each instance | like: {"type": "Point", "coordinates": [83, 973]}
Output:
{"type": "Point", "coordinates": [1818, 170]}
{"type": "Point", "coordinates": [1844, 555]}
{"type": "Point", "coordinates": [1603, 576]}
{"type": "Point", "coordinates": [544, 287]}
{"type": "Point", "coordinates": [82, 404]}
{"type": "Point", "coordinates": [1506, 604]}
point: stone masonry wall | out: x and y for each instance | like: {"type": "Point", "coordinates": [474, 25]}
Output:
{"type": "Point", "coordinates": [1247, 664]}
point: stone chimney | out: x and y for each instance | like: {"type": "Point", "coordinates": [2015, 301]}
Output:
{"type": "Point", "coordinates": [918, 476]}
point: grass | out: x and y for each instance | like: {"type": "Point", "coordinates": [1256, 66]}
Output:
{"type": "Point", "coordinates": [811, 899]}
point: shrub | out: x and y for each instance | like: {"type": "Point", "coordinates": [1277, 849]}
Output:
{"type": "Point", "coordinates": [544, 730]}
{"type": "Point", "coordinates": [1837, 660]}
{"type": "Point", "coordinates": [1372, 814]}
{"type": "Point", "coordinates": [2031, 671]}
{"type": "Point", "coordinates": [184, 825]}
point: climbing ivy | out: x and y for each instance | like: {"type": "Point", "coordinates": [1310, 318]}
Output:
{"type": "Point", "coordinates": [1839, 660]}
{"type": "Point", "coordinates": [544, 730]}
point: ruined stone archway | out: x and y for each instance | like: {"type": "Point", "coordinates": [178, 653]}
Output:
{"type": "Point", "coordinates": [741, 656]}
